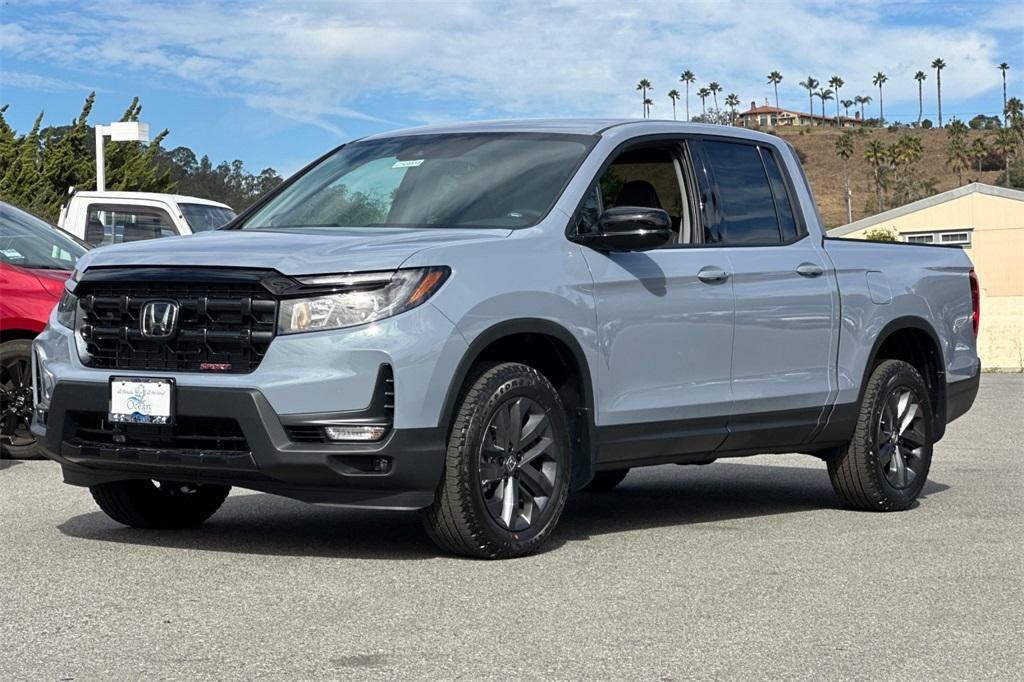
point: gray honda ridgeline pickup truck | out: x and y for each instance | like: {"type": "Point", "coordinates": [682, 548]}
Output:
{"type": "Point", "coordinates": [474, 320]}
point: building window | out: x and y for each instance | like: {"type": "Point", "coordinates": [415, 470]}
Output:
{"type": "Point", "coordinates": [956, 238]}
{"type": "Point", "coordinates": [946, 237]}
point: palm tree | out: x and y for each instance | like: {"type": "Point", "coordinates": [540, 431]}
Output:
{"type": "Point", "coordinates": [876, 155]}
{"type": "Point", "coordinates": [673, 95]}
{"type": "Point", "coordinates": [810, 84]}
{"type": "Point", "coordinates": [979, 150]}
{"type": "Point", "coordinates": [919, 77]}
{"type": "Point", "coordinates": [879, 80]}
{"type": "Point", "coordinates": [1004, 67]}
{"type": "Point", "coordinates": [1004, 142]}
{"type": "Point", "coordinates": [715, 88]}
{"type": "Point", "coordinates": [824, 94]}
{"type": "Point", "coordinates": [703, 93]}
{"type": "Point", "coordinates": [687, 77]}
{"type": "Point", "coordinates": [643, 86]}
{"type": "Point", "coordinates": [1013, 111]}
{"type": "Point", "coordinates": [648, 103]}
{"type": "Point", "coordinates": [847, 103]}
{"type": "Point", "coordinates": [864, 101]}
{"type": "Point", "coordinates": [958, 153]}
{"type": "Point", "coordinates": [774, 78]}
{"type": "Point", "coordinates": [939, 65]}
{"type": "Point", "coordinates": [732, 101]}
{"type": "Point", "coordinates": [837, 83]}
{"type": "Point", "coordinates": [844, 150]}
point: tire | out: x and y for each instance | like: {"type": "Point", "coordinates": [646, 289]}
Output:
{"type": "Point", "coordinates": [501, 501]}
{"type": "Point", "coordinates": [16, 441]}
{"type": "Point", "coordinates": [162, 505]}
{"type": "Point", "coordinates": [604, 481]}
{"type": "Point", "coordinates": [885, 466]}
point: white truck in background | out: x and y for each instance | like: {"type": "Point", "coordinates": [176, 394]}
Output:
{"type": "Point", "coordinates": [101, 218]}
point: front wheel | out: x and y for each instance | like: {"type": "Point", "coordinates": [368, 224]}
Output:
{"type": "Point", "coordinates": [885, 465]}
{"type": "Point", "coordinates": [16, 440]}
{"type": "Point", "coordinates": [507, 466]}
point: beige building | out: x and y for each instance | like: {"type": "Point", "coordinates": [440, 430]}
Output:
{"type": "Point", "coordinates": [988, 223]}
{"type": "Point", "coordinates": [768, 116]}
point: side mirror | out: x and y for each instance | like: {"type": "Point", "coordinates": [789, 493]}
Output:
{"type": "Point", "coordinates": [629, 228]}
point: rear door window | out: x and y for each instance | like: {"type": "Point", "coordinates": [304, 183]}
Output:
{"type": "Point", "coordinates": [746, 206]}
{"type": "Point", "coordinates": [783, 206]}
{"type": "Point", "coordinates": [114, 224]}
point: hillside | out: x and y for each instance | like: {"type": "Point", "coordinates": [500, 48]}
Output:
{"type": "Point", "coordinates": [825, 169]}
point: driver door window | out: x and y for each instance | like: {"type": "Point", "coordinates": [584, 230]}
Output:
{"type": "Point", "coordinates": [649, 177]}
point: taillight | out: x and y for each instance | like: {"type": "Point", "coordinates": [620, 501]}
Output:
{"type": "Point", "coordinates": [975, 301]}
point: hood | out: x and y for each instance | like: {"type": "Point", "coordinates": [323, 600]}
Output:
{"type": "Point", "coordinates": [295, 252]}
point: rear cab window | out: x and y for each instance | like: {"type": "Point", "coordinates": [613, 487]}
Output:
{"type": "Point", "coordinates": [118, 223]}
{"type": "Point", "coordinates": [752, 204]}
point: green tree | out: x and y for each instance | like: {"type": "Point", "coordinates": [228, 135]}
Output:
{"type": "Point", "coordinates": [938, 65]}
{"type": "Point", "coordinates": [132, 166]}
{"type": "Point", "coordinates": [879, 80]}
{"type": "Point", "coordinates": [23, 183]}
{"type": "Point", "coordinates": [811, 84]}
{"type": "Point", "coordinates": [919, 77]}
{"type": "Point", "coordinates": [881, 234]}
{"type": "Point", "coordinates": [774, 78]}
{"type": "Point", "coordinates": [837, 83]}
{"type": "Point", "coordinates": [687, 77]}
{"type": "Point", "coordinates": [847, 103]}
{"type": "Point", "coordinates": [673, 95]}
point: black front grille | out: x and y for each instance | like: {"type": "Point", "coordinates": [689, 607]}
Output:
{"type": "Point", "coordinates": [223, 326]}
{"type": "Point", "coordinates": [188, 434]}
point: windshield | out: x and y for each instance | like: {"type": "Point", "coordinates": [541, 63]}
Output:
{"type": "Point", "coordinates": [202, 217]}
{"type": "Point", "coordinates": [502, 180]}
{"type": "Point", "coordinates": [29, 242]}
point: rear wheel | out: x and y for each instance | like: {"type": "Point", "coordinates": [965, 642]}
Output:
{"type": "Point", "coordinates": [159, 504]}
{"type": "Point", "coordinates": [507, 466]}
{"type": "Point", "coordinates": [16, 440]}
{"type": "Point", "coordinates": [885, 465]}
{"type": "Point", "coordinates": [604, 481]}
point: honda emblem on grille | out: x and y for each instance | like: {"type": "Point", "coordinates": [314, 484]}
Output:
{"type": "Point", "coordinates": [159, 319]}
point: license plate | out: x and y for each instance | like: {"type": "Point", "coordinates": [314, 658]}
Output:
{"type": "Point", "coordinates": [141, 400]}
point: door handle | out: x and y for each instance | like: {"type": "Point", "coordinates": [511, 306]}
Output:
{"type": "Point", "coordinates": [809, 270]}
{"type": "Point", "coordinates": [712, 275]}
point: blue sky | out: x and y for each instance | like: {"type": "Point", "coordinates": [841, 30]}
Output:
{"type": "Point", "coordinates": [277, 84]}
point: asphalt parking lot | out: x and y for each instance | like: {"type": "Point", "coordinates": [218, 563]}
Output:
{"type": "Point", "coordinates": [744, 568]}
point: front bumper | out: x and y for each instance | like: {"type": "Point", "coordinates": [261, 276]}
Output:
{"type": "Point", "coordinates": [260, 453]}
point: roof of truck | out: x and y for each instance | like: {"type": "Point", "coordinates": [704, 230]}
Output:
{"type": "Point", "coordinates": [577, 126]}
{"type": "Point", "coordinates": [149, 196]}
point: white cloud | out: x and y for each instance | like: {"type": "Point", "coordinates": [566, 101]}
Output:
{"type": "Point", "coordinates": [323, 63]}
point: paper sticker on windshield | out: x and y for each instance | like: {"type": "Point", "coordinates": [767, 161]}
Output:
{"type": "Point", "coordinates": [411, 163]}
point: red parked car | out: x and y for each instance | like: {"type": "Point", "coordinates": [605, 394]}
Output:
{"type": "Point", "coordinates": [35, 260]}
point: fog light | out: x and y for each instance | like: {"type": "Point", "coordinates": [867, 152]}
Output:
{"type": "Point", "coordinates": [358, 433]}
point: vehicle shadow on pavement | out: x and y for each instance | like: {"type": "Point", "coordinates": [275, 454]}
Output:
{"type": "Point", "coordinates": [709, 494]}
{"type": "Point", "coordinates": [262, 524]}
{"type": "Point", "coordinates": [9, 463]}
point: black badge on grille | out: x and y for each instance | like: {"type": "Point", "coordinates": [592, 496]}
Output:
{"type": "Point", "coordinates": [159, 319]}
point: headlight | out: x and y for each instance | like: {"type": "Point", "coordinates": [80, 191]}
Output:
{"type": "Point", "coordinates": [368, 297]}
{"type": "Point", "coordinates": [66, 309]}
